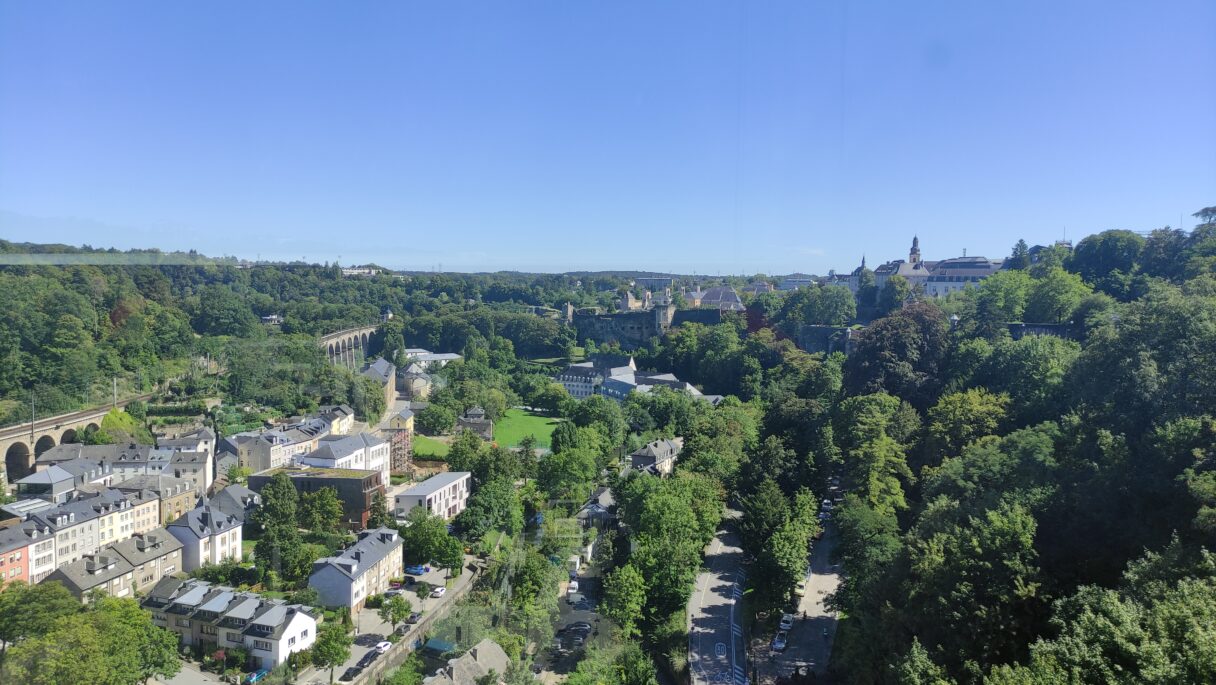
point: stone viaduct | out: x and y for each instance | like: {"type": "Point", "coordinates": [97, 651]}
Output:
{"type": "Point", "coordinates": [23, 443]}
{"type": "Point", "coordinates": [347, 347]}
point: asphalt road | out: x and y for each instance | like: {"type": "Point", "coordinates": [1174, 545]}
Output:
{"type": "Point", "coordinates": [808, 646]}
{"type": "Point", "coordinates": [716, 653]}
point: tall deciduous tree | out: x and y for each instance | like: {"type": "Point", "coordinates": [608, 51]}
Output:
{"type": "Point", "coordinates": [625, 596]}
{"type": "Point", "coordinates": [332, 647]}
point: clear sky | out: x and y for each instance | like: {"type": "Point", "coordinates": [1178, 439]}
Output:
{"type": "Point", "coordinates": [704, 136]}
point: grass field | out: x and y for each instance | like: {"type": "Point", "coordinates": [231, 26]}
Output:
{"type": "Point", "coordinates": [517, 423]}
{"type": "Point", "coordinates": [429, 446]}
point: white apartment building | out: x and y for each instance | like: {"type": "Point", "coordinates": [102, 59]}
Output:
{"type": "Point", "coordinates": [444, 494]}
{"type": "Point", "coordinates": [208, 536]}
{"type": "Point", "coordinates": [362, 451]}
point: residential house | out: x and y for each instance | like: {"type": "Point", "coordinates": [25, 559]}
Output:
{"type": "Point", "coordinates": [174, 496]}
{"type": "Point", "coordinates": [341, 418]}
{"type": "Point", "coordinates": [237, 501]}
{"type": "Point", "coordinates": [133, 565]}
{"type": "Point", "coordinates": [363, 452]}
{"type": "Point", "coordinates": [599, 511]}
{"type": "Point", "coordinates": [658, 457]}
{"type": "Point", "coordinates": [219, 617]}
{"type": "Point", "coordinates": [385, 374]}
{"type": "Point", "coordinates": [472, 667]}
{"type": "Point", "coordinates": [361, 570]}
{"type": "Point", "coordinates": [356, 489]}
{"type": "Point", "coordinates": [15, 553]}
{"type": "Point", "coordinates": [444, 494]}
{"type": "Point", "coordinates": [56, 483]}
{"type": "Point", "coordinates": [208, 536]}
{"type": "Point", "coordinates": [129, 460]}
{"type": "Point", "coordinates": [475, 420]}
{"type": "Point", "coordinates": [271, 449]}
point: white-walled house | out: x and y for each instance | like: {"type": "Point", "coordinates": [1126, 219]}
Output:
{"type": "Point", "coordinates": [363, 569]}
{"type": "Point", "coordinates": [208, 536]}
{"type": "Point", "coordinates": [215, 616]}
{"type": "Point", "coordinates": [362, 451]}
{"type": "Point", "coordinates": [444, 494]}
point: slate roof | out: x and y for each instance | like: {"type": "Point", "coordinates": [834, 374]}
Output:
{"type": "Point", "coordinates": [155, 543]}
{"type": "Point", "coordinates": [217, 604]}
{"type": "Point", "coordinates": [235, 500]}
{"type": "Point", "coordinates": [205, 521]}
{"type": "Point", "coordinates": [373, 545]}
{"type": "Point", "coordinates": [382, 370]}
{"type": "Point", "coordinates": [164, 486]}
{"type": "Point", "coordinates": [468, 668]}
{"type": "Point", "coordinates": [435, 483]}
{"type": "Point", "coordinates": [91, 570]}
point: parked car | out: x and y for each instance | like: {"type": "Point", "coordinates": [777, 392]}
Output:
{"type": "Point", "coordinates": [780, 640]}
{"type": "Point", "coordinates": [414, 617]}
{"type": "Point", "coordinates": [384, 646]}
{"type": "Point", "coordinates": [579, 625]}
{"type": "Point", "coordinates": [350, 674]}
{"type": "Point", "coordinates": [394, 593]}
{"type": "Point", "coordinates": [787, 621]}
{"type": "Point", "coordinates": [439, 592]}
{"type": "Point", "coordinates": [417, 569]}
{"type": "Point", "coordinates": [800, 588]}
{"type": "Point", "coordinates": [573, 587]}
{"type": "Point", "coordinates": [256, 676]}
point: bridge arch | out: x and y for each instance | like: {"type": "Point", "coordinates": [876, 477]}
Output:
{"type": "Point", "coordinates": [92, 428]}
{"type": "Point", "coordinates": [68, 437]}
{"type": "Point", "coordinates": [364, 336]}
{"type": "Point", "coordinates": [17, 461]}
{"type": "Point", "coordinates": [44, 443]}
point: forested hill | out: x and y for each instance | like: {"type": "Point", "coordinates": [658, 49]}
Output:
{"type": "Point", "coordinates": [140, 316]}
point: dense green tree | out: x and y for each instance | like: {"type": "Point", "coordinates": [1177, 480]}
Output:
{"type": "Point", "coordinates": [624, 598]}
{"type": "Point", "coordinates": [764, 511]}
{"type": "Point", "coordinates": [31, 610]}
{"type": "Point", "coordinates": [1054, 296]}
{"type": "Point", "coordinates": [895, 292]}
{"type": "Point", "coordinates": [494, 506]}
{"type": "Point", "coordinates": [320, 511]}
{"type": "Point", "coordinates": [393, 610]}
{"type": "Point", "coordinates": [1020, 257]}
{"type": "Point", "coordinates": [332, 647]}
{"type": "Point", "coordinates": [960, 418]}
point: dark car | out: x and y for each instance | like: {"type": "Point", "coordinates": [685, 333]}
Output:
{"type": "Point", "coordinates": [351, 673]}
{"type": "Point", "coordinates": [414, 618]}
{"type": "Point", "coordinates": [579, 625]}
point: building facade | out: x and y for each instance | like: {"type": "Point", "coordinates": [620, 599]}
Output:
{"type": "Point", "coordinates": [444, 494]}
{"type": "Point", "coordinates": [360, 571]}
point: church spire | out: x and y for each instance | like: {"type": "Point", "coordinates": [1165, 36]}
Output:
{"type": "Point", "coordinates": [914, 254]}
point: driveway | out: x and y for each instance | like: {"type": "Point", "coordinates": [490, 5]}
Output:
{"type": "Point", "coordinates": [715, 637]}
{"type": "Point", "coordinates": [371, 630]}
{"type": "Point", "coordinates": [808, 644]}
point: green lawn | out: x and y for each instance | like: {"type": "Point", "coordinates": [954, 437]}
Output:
{"type": "Point", "coordinates": [517, 423]}
{"type": "Point", "coordinates": [424, 446]}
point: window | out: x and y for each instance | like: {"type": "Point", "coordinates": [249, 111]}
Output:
{"type": "Point", "coordinates": [234, 637]}
{"type": "Point", "coordinates": [304, 634]}
{"type": "Point", "coordinates": [262, 645]}
{"type": "Point", "coordinates": [291, 641]}
{"type": "Point", "coordinates": [183, 622]}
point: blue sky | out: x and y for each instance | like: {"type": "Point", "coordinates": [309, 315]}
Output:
{"type": "Point", "coordinates": [552, 136]}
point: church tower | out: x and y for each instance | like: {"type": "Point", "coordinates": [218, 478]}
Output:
{"type": "Point", "coordinates": [914, 254]}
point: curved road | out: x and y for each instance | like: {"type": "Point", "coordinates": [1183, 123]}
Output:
{"type": "Point", "coordinates": [716, 653]}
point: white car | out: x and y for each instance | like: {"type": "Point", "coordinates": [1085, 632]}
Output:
{"type": "Point", "coordinates": [573, 587]}
{"type": "Point", "coordinates": [382, 647]}
{"type": "Point", "coordinates": [439, 592]}
{"type": "Point", "coordinates": [787, 621]}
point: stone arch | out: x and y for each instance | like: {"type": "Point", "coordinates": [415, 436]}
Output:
{"type": "Point", "coordinates": [331, 352]}
{"type": "Point", "coordinates": [44, 443]}
{"type": "Point", "coordinates": [68, 437]}
{"type": "Point", "coordinates": [364, 341]}
{"type": "Point", "coordinates": [17, 461]}
{"type": "Point", "coordinates": [92, 428]}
